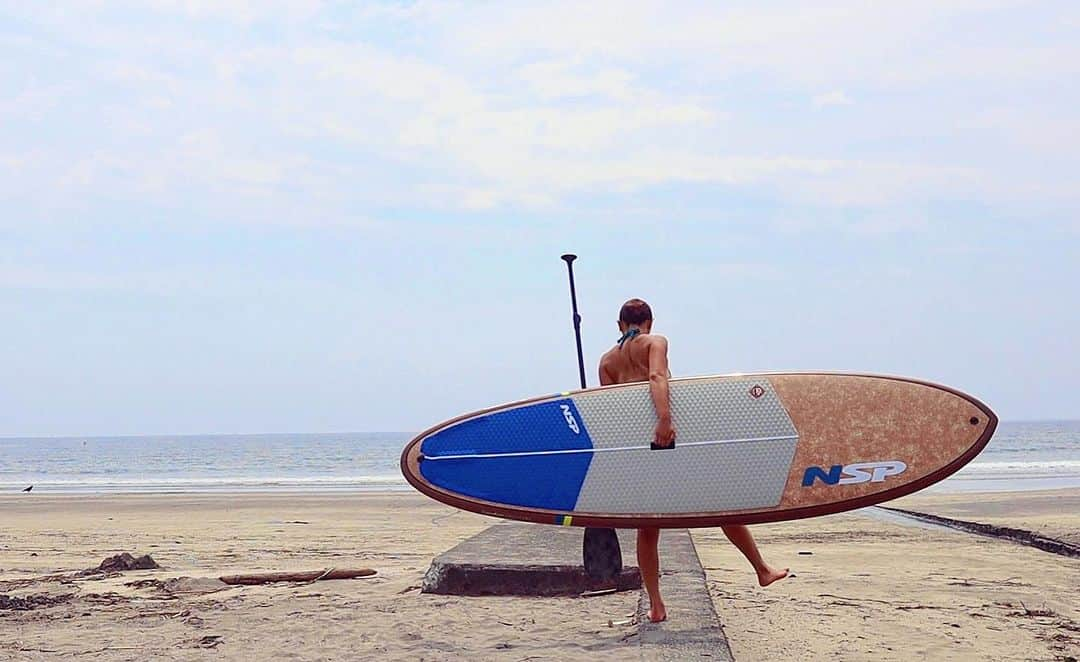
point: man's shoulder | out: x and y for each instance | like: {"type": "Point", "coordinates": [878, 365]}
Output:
{"type": "Point", "coordinates": [608, 356]}
{"type": "Point", "coordinates": [649, 345]}
{"type": "Point", "coordinates": [655, 339]}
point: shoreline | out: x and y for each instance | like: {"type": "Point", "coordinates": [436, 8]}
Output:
{"type": "Point", "coordinates": [962, 486]}
{"type": "Point", "coordinates": [1035, 486]}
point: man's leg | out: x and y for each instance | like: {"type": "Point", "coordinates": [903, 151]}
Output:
{"type": "Point", "coordinates": [740, 536]}
{"type": "Point", "coordinates": [648, 558]}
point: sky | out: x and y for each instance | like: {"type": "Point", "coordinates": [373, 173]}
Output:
{"type": "Point", "coordinates": [272, 216]}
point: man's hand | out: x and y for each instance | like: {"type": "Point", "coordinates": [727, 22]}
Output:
{"type": "Point", "coordinates": [665, 433]}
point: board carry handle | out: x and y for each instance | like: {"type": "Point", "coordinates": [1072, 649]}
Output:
{"type": "Point", "coordinates": [656, 447]}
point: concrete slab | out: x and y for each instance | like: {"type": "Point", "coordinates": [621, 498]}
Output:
{"type": "Point", "coordinates": [524, 559]}
{"type": "Point", "coordinates": [540, 560]}
{"type": "Point", "coordinates": [693, 630]}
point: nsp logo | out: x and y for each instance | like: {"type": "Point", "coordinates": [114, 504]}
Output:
{"type": "Point", "coordinates": [570, 420]}
{"type": "Point", "coordinates": [858, 472]}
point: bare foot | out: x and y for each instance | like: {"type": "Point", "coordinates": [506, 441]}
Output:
{"type": "Point", "coordinates": [657, 613]}
{"type": "Point", "coordinates": [769, 575]}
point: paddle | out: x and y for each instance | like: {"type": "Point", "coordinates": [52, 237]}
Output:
{"type": "Point", "coordinates": [600, 547]}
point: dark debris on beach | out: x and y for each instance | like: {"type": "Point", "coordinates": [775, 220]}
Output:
{"type": "Point", "coordinates": [28, 602]}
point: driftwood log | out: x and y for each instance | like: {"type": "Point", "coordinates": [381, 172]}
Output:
{"type": "Point", "coordinates": [310, 576]}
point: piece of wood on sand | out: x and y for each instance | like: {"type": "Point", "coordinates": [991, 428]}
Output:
{"type": "Point", "coordinates": [308, 576]}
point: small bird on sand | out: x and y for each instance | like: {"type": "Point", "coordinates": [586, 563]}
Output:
{"type": "Point", "coordinates": [28, 489]}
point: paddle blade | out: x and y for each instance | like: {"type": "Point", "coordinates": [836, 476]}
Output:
{"type": "Point", "coordinates": [602, 554]}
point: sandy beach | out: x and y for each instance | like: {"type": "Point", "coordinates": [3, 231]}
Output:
{"type": "Point", "coordinates": [383, 617]}
{"type": "Point", "coordinates": [866, 587]}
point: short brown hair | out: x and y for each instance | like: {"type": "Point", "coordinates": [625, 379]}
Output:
{"type": "Point", "coordinates": [635, 311]}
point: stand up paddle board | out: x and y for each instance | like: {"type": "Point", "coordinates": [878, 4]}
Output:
{"type": "Point", "coordinates": [749, 448]}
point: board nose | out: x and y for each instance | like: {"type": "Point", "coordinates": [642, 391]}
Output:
{"type": "Point", "coordinates": [982, 419]}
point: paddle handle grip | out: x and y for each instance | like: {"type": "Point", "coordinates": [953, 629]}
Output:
{"type": "Point", "coordinates": [656, 447]}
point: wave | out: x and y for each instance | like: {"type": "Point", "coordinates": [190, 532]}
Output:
{"type": "Point", "coordinates": [1023, 467]}
{"type": "Point", "coordinates": [196, 484]}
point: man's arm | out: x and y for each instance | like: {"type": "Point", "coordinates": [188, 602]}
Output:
{"type": "Point", "coordinates": [660, 392]}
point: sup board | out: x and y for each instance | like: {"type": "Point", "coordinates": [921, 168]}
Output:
{"type": "Point", "coordinates": [749, 448]}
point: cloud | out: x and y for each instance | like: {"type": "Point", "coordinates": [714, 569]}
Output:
{"type": "Point", "coordinates": [481, 107]}
{"type": "Point", "coordinates": [869, 225]}
{"type": "Point", "coordinates": [562, 79]}
{"type": "Point", "coordinates": [218, 282]}
{"type": "Point", "coordinates": [834, 98]}
{"type": "Point", "coordinates": [241, 12]}
{"type": "Point", "coordinates": [724, 271]}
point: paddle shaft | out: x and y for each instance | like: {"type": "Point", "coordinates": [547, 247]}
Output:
{"type": "Point", "coordinates": [569, 258]}
{"type": "Point", "coordinates": [600, 547]}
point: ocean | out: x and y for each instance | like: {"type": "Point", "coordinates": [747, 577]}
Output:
{"type": "Point", "coordinates": [1021, 456]}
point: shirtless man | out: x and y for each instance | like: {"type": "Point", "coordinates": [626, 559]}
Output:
{"type": "Point", "coordinates": [640, 356]}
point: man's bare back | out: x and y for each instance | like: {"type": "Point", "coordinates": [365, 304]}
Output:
{"type": "Point", "coordinates": [641, 356]}
{"type": "Point", "coordinates": [630, 363]}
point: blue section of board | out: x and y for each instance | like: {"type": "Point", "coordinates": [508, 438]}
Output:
{"type": "Point", "coordinates": [536, 481]}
